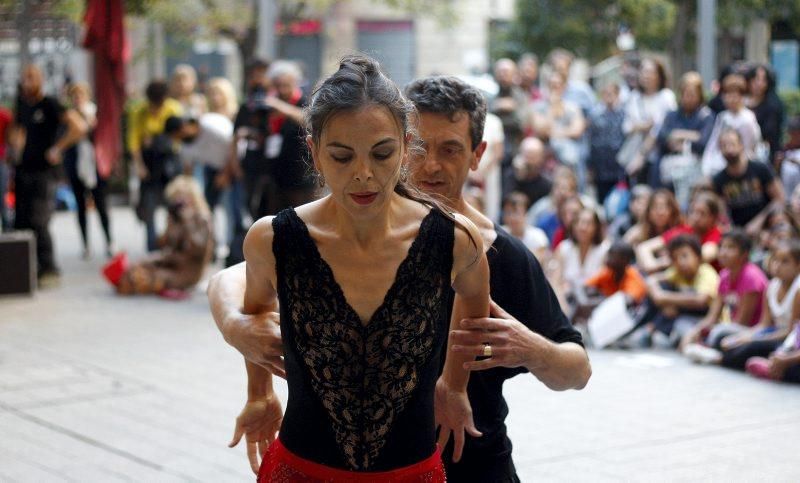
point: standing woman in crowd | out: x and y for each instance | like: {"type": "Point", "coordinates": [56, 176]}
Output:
{"type": "Point", "coordinates": [183, 86]}
{"type": "Point", "coordinates": [662, 214]}
{"type": "Point", "coordinates": [691, 123]}
{"type": "Point", "coordinates": [560, 122]}
{"type": "Point", "coordinates": [645, 111]}
{"type": "Point", "coordinates": [363, 276]}
{"type": "Point", "coordinates": [222, 100]}
{"type": "Point", "coordinates": [81, 169]}
{"type": "Point", "coordinates": [766, 105]}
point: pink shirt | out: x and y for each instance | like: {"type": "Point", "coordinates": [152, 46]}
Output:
{"type": "Point", "coordinates": [751, 279]}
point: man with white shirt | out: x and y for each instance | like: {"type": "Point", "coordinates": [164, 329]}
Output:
{"type": "Point", "coordinates": [207, 142]}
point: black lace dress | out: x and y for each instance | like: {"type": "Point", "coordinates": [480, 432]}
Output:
{"type": "Point", "coordinates": [361, 395]}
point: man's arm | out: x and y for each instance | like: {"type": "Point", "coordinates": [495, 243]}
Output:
{"type": "Point", "coordinates": [560, 366]}
{"type": "Point", "coordinates": [256, 336]}
{"type": "Point", "coordinates": [76, 128]}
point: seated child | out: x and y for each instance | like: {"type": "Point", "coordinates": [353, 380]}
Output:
{"type": "Point", "coordinates": [783, 364]}
{"type": "Point", "coordinates": [740, 301]}
{"type": "Point", "coordinates": [782, 303]}
{"type": "Point", "coordinates": [617, 275]}
{"type": "Point", "coordinates": [683, 293]}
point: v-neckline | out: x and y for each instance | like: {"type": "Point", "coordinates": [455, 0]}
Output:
{"type": "Point", "coordinates": [338, 288]}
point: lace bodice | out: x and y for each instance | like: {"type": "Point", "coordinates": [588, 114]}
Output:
{"type": "Point", "coordinates": [368, 385]}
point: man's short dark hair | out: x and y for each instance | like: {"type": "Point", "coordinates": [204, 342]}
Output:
{"type": "Point", "coordinates": [685, 240]}
{"type": "Point", "coordinates": [257, 64]}
{"type": "Point", "coordinates": [739, 237]}
{"type": "Point", "coordinates": [156, 92]}
{"type": "Point", "coordinates": [173, 124]}
{"type": "Point", "coordinates": [624, 250]}
{"type": "Point", "coordinates": [450, 96]}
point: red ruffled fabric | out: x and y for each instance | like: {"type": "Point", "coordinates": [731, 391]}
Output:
{"type": "Point", "coordinates": [282, 466]}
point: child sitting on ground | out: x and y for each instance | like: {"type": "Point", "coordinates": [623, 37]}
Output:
{"type": "Point", "coordinates": [617, 275]}
{"type": "Point", "coordinates": [782, 303]}
{"type": "Point", "coordinates": [682, 294]}
{"type": "Point", "coordinates": [739, 305]}
{"type": "Point", "coordinates": [783, 364]}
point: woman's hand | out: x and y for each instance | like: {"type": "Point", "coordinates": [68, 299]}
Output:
{"type": "Point", "coordinates": [259, 422]}
{"type": "Point", "coordinates": [453, 414]}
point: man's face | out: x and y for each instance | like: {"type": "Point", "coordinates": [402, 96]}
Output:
{"type": "Point", "coordinates": [448, 155]}
{"type": "Point", "coordinates": [285, 85]}
{"type": "Point", "coordinates": [731, 147]}
{"type": "Point", "coordinates": [31, 81]}
{"type": "Point", "coordinates": [504, 73]}
{"type": "Point", "coordinates": [257, 78]}
{"type": "Point", "coordinates": [531, 160]}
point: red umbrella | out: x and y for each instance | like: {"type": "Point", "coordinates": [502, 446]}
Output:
{"type": "Point", "coordinates": [105, 36]}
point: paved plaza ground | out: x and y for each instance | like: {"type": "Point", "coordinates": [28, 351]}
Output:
{"type": "Point", "coordinates": [97, 388]}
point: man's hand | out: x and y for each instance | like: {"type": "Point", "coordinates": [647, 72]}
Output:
{"type": "Point", "coordinates": [513, 344]}
{"type": "Point", "coordinates": [258, 338]}
{"type": "Point", "coordinates": [453, 414]}
{"type": "Point", "coordinates": [259, 422]}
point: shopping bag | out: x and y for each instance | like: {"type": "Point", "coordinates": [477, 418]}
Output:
{"type": "Point", "coordinates": [610, 320]}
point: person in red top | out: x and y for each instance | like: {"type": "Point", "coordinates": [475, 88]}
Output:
{"type": "Point", "coordinates": [5, 169]}
{"type": "Point", "coordinates": [702, 222]}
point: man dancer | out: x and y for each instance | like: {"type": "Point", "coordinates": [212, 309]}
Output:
{"type": "Point", "coordinates": [38, 120]}
{"type": "Point", "coordinates": [526, 331]}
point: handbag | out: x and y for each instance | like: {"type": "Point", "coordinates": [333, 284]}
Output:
{"type": "Point", "coordinates": [631, 146]}
{"type": "Point", "coordinates": [87, 164]}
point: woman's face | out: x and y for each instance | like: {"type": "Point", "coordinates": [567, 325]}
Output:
{"type": "Point", "coordinates": [700, 217]}
{"type": "Point", "coordinates": [660, 213]}
{"type": "Point", "coordinates": [569, 211]}
{"type": "Point", "coordinates": [758, 84]}
{"type": "Point", "coordinates": [216, 98]}
{"type": "Point", "coordinates": [184, 84]}
{"type": "Point", "coordinates": [585, 227]}
{"type": "Point", "coordinates": [648, 77]}
{"type": "Point", "coordinates": [556, 85]}
{"type": "Point", "coordinates": [639, 206]}
{"type": "Point", "coordinates": [79, 97]}
{"type": "Point", "coordinates": [783, 265]}
{"type": "Point", "coordinates": [686, 261]}
{"type": "Point", "coordinates": [690, 99]}
{"type": "Point", "coordinates": [360, 154]}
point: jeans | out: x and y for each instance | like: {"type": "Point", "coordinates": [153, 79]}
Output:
{"type": "Point", "coordinates": [35, 191]}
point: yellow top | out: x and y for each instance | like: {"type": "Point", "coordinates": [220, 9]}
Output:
{"type": "Point", "coordinates": [144, 124]}
{"type": "Point", "coordinates": [706, 281]}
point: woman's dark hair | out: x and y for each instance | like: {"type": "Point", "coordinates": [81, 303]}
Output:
{"type": "Point", "coordinates": [450, 96]}
{"type": "Point", "coordinates": [663, 80]}
{"type": "Point", "coordinates": [685, 240]}
{"type": "Point", "coordinates": [156, 92]}
{"type": "Point", "coordinates": [360, 83]}
{"type": "Point", "coordinates": [675, 212]}
{"type": "Point", "coordinates": [771, 80]}
{"type": "Point", "coordinates": [739, 237]}
{"type": "Point", "coordinates": [710, 200]}
{"type": "Point", "coordinates": [599, 236]}
{"type": "Point", "coordinates": [791, 246]}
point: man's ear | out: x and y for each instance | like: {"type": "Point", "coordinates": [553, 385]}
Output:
{"type": "Point", "coordinates": [477, 155]}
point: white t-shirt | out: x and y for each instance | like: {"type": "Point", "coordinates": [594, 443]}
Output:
{"type": "Point", "coordinates": [746, 124]}
{"type": "Point", "coordinates": [492, 188]}
{"type": "Point", "coordinates": [575, 272]}
{"type": "Point", "coordinates": [782, 310]}
{"type": "Point", "coordinates": [534, 238]}
{"type": "Point", "coordinates": [213, 142]}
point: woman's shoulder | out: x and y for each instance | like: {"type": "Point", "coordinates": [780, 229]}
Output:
{"type": "Point", "coordinates": [258, 242]}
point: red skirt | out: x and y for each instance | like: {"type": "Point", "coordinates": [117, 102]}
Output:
{"type": "Point", "coordinates": [282, 466]}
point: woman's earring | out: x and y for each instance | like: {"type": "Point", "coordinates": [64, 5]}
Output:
{"type": "Point", "coordinates": [321, 180]}
{"type": "Point", "coordinates": [404, 173]}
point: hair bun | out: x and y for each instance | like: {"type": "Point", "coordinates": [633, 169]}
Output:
{"type": "Point", "coordinates": [361, 63]}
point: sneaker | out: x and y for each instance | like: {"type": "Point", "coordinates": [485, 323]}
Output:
{"type": "Point", "coordinates": [701, 354]}
{"type": "Point", "coordinates": [758, 367]}
{"type": "Point", "coordinates": [49, 279]}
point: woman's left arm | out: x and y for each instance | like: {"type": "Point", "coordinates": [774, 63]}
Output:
{"type": "Point", "coordinates": [471, 283]}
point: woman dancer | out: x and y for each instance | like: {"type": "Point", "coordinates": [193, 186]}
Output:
{"type": "Point", "coordinates": [363, 277]}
